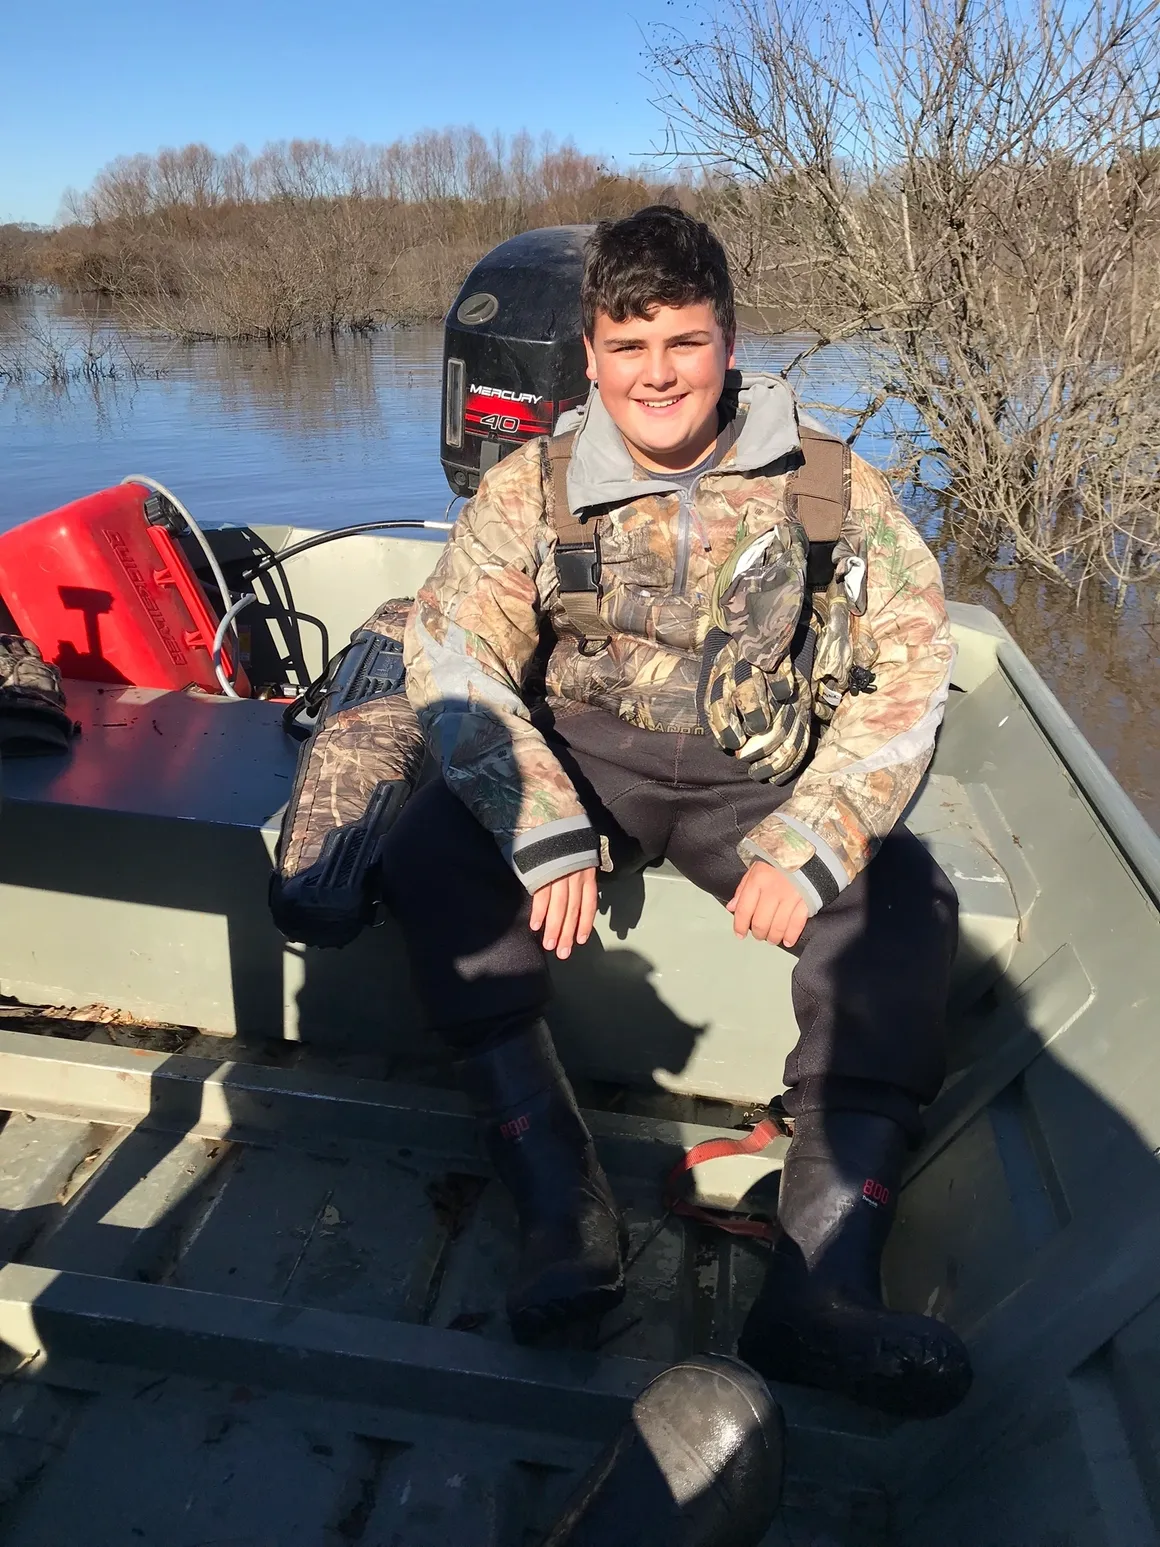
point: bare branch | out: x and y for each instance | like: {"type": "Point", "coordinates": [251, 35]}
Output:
{"type": "Point", "coordinates": [978, 183]}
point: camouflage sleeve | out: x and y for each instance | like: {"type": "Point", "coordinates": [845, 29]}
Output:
{"type": "Point", "coordinates": [877, 747]}
{"type": "Point", "coordinates": [470, 639]}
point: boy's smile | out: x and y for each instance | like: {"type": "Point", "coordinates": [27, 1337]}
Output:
{"type": "Point", "coordinates": [660, 378]}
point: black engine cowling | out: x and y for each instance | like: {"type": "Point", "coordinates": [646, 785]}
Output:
{"type": "Point", "coordinates": [513, 350]}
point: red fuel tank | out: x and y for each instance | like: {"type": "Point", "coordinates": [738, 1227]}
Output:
{"type": "Point", "coordinates": [109, 596]}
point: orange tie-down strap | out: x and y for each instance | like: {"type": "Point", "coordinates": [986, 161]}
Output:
{"type": "Point", "coordinates": [753, 1143]}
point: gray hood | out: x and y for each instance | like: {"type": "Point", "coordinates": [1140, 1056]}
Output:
{"type": "Point", "coordinates": [601, 470]}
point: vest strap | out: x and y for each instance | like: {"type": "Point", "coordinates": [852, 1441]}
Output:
{"type": "Point", "coordinates": [821, 486]}
{"type": "Point", "coordinates": [577, 552]}
{"type": "Point", "coordinates": [820, 498]}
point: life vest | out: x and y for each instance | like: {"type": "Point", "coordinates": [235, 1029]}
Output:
{"type": "Point", "coordinates": [820, 501]}
{"type": "Point", "coordinates": [827, 658]}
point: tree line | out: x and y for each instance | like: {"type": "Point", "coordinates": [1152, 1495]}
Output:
{"type": "Point", "coordinates": [974, 187]}
{"type": "Point", "coordinates": [308, 237]}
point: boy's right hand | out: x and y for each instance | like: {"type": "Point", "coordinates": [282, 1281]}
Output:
{"type": "Point", "coordinates": [565, 910]}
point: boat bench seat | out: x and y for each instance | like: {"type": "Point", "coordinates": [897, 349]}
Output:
{"type": "Point", "coordinates": [134, 872]}
{"type": "Point", "coordinates": [666, 994]}
{"type": "Point", "coordinates": [944, 817]}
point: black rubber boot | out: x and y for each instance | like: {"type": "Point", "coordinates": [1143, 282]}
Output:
{"type": "Point", "coordinates": [819, 1319]}
{"type": "Point", "coordinates": [572, 1240]}
{"type": "Point", "coordinates": [698, 1464]}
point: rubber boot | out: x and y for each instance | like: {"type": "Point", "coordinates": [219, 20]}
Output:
{"type": "Point", "coordinates": [698, 1464]}
{"type": "Point", "coordinates": [572, 1240]}
{"type": "Point", "coordinates": [819, 1319]}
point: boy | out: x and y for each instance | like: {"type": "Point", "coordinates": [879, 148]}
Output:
{"type": "Point", "coordinates": [684, 708]}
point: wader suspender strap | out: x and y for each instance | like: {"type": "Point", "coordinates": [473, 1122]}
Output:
{"type": "Point", "coordinates": [821, 498]}
{"type": "Point", "coordinates": [577, 556]}
{"type": "Point", "coordinates": [766, 1131]}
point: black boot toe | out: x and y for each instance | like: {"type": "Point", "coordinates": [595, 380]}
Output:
{"type": "Point", "coordinates": [907, 1366]}
{"type": "Point", "coordinates": [567, 1275]}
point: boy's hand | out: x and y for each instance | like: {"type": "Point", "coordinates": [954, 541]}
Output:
{"type": "Point", "coordinates": [768, 906]}
{"type": "Point", "coordinates": [565, 910]}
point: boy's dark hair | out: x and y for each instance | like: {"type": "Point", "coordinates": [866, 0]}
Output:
{"type": "Point", "coordinates": [658, 257]}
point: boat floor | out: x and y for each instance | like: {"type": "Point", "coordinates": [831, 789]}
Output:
{"type": "Point", "coordinates": [258, 1300]}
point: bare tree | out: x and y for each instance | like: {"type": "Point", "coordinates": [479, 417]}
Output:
{"type": "Point", "coordinates": [980, 184]}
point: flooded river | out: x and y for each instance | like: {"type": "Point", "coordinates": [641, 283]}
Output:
{"type": "Point", "coordinates": [327, 433]}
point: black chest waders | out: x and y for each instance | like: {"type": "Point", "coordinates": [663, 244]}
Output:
{"type": "Point", "coordinates": [356, 769]}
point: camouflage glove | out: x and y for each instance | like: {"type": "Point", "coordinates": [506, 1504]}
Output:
{"type": "Point", "coordinates": [740, 701]}
{"type": "Point", "coordinates": [759, 593]}
{"type": "Point", "coordinates": [753, 702]}
{"type": "Point", "coordinates": [762, 718]}
{"type": "Point", "coordinates": [777, 755]}
{"type": "Point", "coordinates": [32, 712]}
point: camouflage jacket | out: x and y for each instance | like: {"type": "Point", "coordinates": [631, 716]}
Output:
{"type": "Point", "coordinates": [477, 625]}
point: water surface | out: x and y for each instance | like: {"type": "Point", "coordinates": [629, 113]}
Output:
{"type": "Point", "coordinates": [329, 432]}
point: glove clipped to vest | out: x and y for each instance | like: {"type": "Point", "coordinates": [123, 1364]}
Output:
{"type": "Point", "coordinates": [355, 771]}
{"type": "Point", "coordinates": [780, 654]}
{"type": "Point", "coordinates": [754, 697]}
{"type": "Point", "coordinates": [33, 718]}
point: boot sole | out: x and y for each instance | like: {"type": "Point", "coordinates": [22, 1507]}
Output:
{"type": "Point", "coordinates": [900, 1379]}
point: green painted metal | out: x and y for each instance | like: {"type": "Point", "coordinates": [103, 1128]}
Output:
{"type": "Point", "coordinates": [188, 1227]}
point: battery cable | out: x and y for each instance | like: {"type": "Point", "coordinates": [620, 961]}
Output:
{"type": "Point", "coordinates": [232, 606]}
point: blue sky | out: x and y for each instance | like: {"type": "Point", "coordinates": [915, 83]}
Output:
{"type": "Point", "coordinates": [81, 83]}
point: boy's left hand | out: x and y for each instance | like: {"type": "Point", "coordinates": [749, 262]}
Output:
{"type": "Point", "coordinates": [768, 906]}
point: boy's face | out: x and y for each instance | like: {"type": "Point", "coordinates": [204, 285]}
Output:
{"type": "Point", "coordinates": [660, 379]}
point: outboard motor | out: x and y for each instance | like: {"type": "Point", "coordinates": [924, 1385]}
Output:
{"type": "Point", "coordinates": [513, 351]}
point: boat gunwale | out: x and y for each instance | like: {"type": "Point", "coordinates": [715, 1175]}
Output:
{"type": "Point", "coordinates": [1122, 821]}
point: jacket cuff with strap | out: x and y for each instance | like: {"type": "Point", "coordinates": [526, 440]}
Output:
{"type": "Point", "coordinates": [545, 854]}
